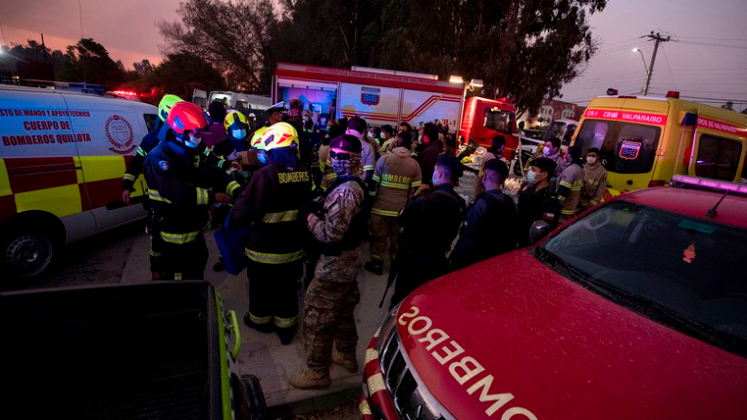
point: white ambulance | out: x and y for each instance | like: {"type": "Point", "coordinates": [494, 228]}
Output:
{"type": "Point", "coordinates": [62, 158]}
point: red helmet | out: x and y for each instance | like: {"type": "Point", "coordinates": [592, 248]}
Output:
{"type": "Point", "coordinates": [186, 116]}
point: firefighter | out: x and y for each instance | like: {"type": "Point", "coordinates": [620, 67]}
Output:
{"type": "Point", "coordinates": [595, 180]}
{"type": "Point", "coordinates": [430, 222]}
{"type": "Point", "coordinates": [397, 176]}
{"type": "Point", "coordinates": [490, 227]}
{"type": "Point", "coordinates": [537, 200]}
{"type": "Point", "coordinates": [274, 249]}
{"type": "Point", "coordinates": [181, 190]}
{"type": "Point", "coordinates": [237, 128]}
{"type": "Point", "coordinates": [570, 183]}
{"type": "Point", "coordinates": [338, 226]}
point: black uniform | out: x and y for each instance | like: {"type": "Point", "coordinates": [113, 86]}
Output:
{"type": "Point", "coordinates": [181, 189]}
{"type": "Point", "coordinates": [430, 222]}
{"type": "Point", "coordinates": [275, 245]}
{"type": "Point", "coordinates": [536, 205]}
{"type": "Point", "coordinates": [489, 230]}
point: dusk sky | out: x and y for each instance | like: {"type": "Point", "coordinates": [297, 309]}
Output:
{"type": "Point", "coordinates": [713, 71]}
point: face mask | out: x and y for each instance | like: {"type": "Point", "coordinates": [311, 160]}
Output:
{"type": "Point", "coordinates": [531, 177]}
{"type": "Point", "coordinates": [341, 166]}
{"type": "Point", "coordinates": [192, 141]}
{"type": "Point", "coordinates": [435, 178]}
{"type": "Point", "coordinates": [591, 160]}
{"type": "Point", "coordinates": [546, 151]}
{"type": "Point", "coordinates": [238, 134]}
{"type": "Point", "coordinates": [370, 135]}
{"type": "Point", "coordinates": [262, 157]}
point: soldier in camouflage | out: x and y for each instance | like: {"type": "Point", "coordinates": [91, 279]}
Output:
{"type": "Point", "coordinates": [338, 227]}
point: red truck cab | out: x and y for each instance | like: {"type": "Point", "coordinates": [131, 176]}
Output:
{"type": "Point", "coordinates": [635, 310]}
{"type": "Point", "coordinates": [485, 118]}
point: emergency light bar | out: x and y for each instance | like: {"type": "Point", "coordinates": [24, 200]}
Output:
{"type": "Point", "coordinates": [709, 184]}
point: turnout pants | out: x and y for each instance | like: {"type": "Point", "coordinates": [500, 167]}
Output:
{"type": "Point", "coordinates": [272, 293]}
{"type": "Point", "coordinates": [383, 228]}
{"type": "Point", "coordinates": [329, 320]}
{"type": "Point", "coordinates": [184, 261]}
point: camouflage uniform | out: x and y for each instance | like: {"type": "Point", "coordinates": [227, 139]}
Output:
{"type": "Point", "coordinates": [333, 293]}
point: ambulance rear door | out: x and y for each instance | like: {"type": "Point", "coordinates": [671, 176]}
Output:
{"type": "Point", "coordinates": [718, 150]}
{"type": "Point", "coordinates": [107, 132]}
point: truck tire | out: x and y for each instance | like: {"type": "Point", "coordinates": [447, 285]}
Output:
{"type": "Point", "coordinates": [27, 251]}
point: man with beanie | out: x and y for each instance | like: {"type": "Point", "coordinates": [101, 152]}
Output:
{"type": "Point", "coordinates": [570, 182]}
{"type": "Point", "coordinates": [396, 176]}
{"type": "Point", "coordinates": [336, 224]}
{"type": "Point", "coordinates": [490, 227]}
{"type": "Point", "coordinates": [430, 222]}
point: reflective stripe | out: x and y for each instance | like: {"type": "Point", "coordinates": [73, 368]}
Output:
{"type": "Point", "coordinates": [375, 383]}
{"type": "Point", "coordinates": [415, 184]}
{"type": "Point", "coordinates": [180, 238]}
{"type": "Point", "coordinates": [267, 258]}
{"type": "Point", "coordinates": [203, 197]}
{"type": "Point", "coordinates": [206, 152]}
{"type": "Point", "coordinates": [261, 320]}
{"type": "Point", "coordinates": [371, 354]}
{"type": "Point", "coordinates": [221, 163]}
{"type": "Point", "coordinates": [566, 184]}
{"type": "Point", "coordinates": [364, 408]}
{"type": "Point", "coordinates": [286, 322]}
{"type": "Point", "coordinates": [156, 196]}
{"type": "Point", "coordinates": [385, 212]}
{"type": "Point", "coordinates": [331, 175]}
{"type": "Point", "coordinates": [177, 276]}
{"type": "Point", "coordinates": [129, 177]}
{"type": "Point", "coordinates": [376, 178]}
{"type": "Point", "coordinates": [142, 152]}
{"type": "Point", "coordinates": [232, 187]}
{"type": "Point", "coordinates": [368, 167]}
{"type": "Point", "coordinates": [568, 212]}
{"type": "Point", "coordinates": [372, 193]}
{"type": "Point", "coordinates": [283, 216]}
{"type": "Point", "coordinates": [395, 185]}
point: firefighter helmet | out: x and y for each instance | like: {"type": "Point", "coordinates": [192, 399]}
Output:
{"type": "Point", "coordinates": [279, 135]}
{"type": "Point", "coordinates": [167, 102]}
{"type": "Point", "coordinates": [186, 116]}
{"type": "Point", "coordinates": [257, 138]}
{"type": "Point", "coordinates": [235, 120]}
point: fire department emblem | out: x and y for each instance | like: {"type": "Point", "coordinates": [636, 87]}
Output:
{"type": "Point", "coordinates": [370, 96]}
{"type": "Point", "coordinates": [120, 135]}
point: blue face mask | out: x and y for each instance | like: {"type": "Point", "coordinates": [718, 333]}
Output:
{"type": "Point", "coordinates": [531, 177]}
{"type": "Point", "coordinates": [262, 157]}
{"type": "Point", "coordinates": [238, 134]}
{"type": "Point", "coordinates": [192, 141]}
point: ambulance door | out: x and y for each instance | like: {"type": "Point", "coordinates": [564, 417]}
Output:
{"type": "Point", "coordinates": [107, 131]}
{"type": "Point", "coordinates": [716, 153]}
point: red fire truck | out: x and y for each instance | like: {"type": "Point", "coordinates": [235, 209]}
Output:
{"type": "Point", "coordinates": [392, 97]}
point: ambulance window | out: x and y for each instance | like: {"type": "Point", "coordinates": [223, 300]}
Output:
{"type": "Point", "coordinates": [635, 148]}
{"type": "Point", "coordinates": [150, 121]}
{"type": "Point", "coordinates": [717, 158]}
{"type": "Point", "coordinates": [592, 134]}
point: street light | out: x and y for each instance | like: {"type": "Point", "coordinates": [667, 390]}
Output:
{"type": "Point", "coordinates": [645, 66]}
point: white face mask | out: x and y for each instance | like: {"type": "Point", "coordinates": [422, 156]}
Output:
{"type": "Point", "coordinates": [238, 134]}
{"type": "Point", "coordinates": [591, 160]}
{"type": "Point", "coordinates": [546, 151]}
{"type": "Point", "coordinates": [370, 135]}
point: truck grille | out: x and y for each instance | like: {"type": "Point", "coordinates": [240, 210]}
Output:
{"type": "Point", "coordinates": [411, 399]}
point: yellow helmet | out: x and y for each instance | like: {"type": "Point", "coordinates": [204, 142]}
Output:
{"type": "Point", "coordinates": [167, 102]}
{"type": "Point", "coordinates": [257, 138]}
{"type": "Point", "coordinates": [279, 135]}
{"type": "Point", "coordinates": [235, 120]}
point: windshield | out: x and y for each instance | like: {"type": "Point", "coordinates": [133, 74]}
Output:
{"type": "Point", "coordinates": [555, 130]}
{"type": "Point", "coordinates": [498, 120]}
{"type": "Point", "coordinates": [688, 272]}
{"type": "Point", "coordinates": [626, 148]}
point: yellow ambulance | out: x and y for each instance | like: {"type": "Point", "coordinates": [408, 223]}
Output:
{"type": "Point", "coordinates": [644, 141]}
{"type": "Point", "coordinates": [62, 158]}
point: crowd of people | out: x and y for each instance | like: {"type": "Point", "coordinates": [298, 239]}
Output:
{"type": "Point", "coordinates": [304, 196]}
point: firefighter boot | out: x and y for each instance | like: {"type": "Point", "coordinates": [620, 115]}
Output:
{"type": "Point", "coordinates": [286, 334]}
{"type": "Point", "coordinates": [311, 379]}
{"type": "Point", "coordinates": [376, 267]}
{"type": "Point", "coordinates": [263, 328]}
{"type": "Point", "coordinates": [347, 360]}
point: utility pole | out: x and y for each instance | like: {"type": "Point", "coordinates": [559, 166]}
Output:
{"type": "Point", "coordinates": [658, 39]}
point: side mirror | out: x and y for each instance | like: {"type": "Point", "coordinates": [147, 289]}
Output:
{"type": "Point", "coordinates": [538, 230]}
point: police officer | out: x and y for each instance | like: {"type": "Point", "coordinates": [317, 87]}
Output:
{"type": "Point", "coordinates": [490, 227]}
{"type": "Point", "coordinates": [275, 245]}
{"type": "Point", "coordinates": [181, 191]}
{"type": "Point", "coordinates": [537, 200]}
{"type": "Point", "coordinates": [430, 222]}
{"type": "Point", "coordinates": [339, 227]}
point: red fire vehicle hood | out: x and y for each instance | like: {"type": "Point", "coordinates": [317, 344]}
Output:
{"type": "Point", "coordinates": [510, 338]}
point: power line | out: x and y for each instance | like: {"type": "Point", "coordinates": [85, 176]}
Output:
{"type": "Point", "coordinates": [710, 44]}
{"type": "Point", "coordinates": [666, 60]}
{"type": "Point", "coordinates": [714, 39]}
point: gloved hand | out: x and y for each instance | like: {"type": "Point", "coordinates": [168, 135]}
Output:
{"type": "Point", "coordinates": [310, 207]}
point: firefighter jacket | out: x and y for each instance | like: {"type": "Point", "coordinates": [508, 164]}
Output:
{"type": "Point", "coordinates": [341, 229]}
{"type": "Point", "coordinates": [181, 190]}
{"type": "Point", "coordinates": [398, 176]}
{"type": "Point", "coordinates": [270, 203]}
{"type": "Point", "coordinates": [536, 205]}
{"type": "Point", "coordinates": [570, 182]}
{"type": "Point", "coordinates": [489, 230]}
{"type": "Point", "coordinates": [595, 182]}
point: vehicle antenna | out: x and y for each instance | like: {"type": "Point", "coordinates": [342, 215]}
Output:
{"type": "Point", "coordinates": [712, 212]}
